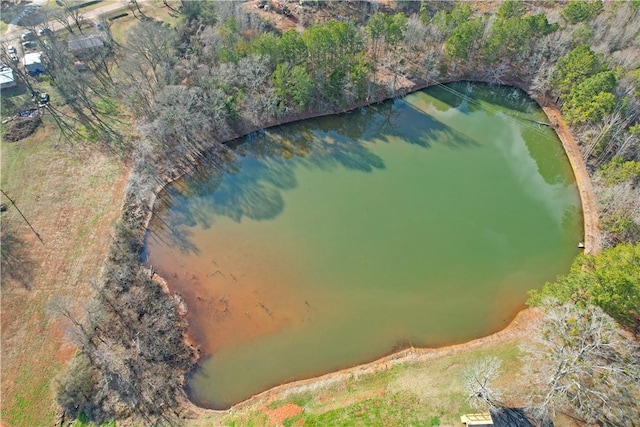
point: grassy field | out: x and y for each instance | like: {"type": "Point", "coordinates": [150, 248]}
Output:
{"type": "Point", "coordinates": [71, 195]}
{"type": "Point", "coordinates": [152, 9]}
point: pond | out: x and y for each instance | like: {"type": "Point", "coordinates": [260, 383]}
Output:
{"type": "Point", "coordinates": [331, 242]}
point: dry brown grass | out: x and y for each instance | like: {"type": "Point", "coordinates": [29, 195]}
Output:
{"type": "Point", "coordinates": [71, 196]}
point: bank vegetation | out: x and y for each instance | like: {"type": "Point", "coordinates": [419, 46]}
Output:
{"type": "Point", "coordinates": [225, 70]}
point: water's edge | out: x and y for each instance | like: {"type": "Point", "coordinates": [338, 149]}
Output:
{"type": "Point", "coordinates": [520, 327]}
{"type": "Point", "coordinates": [582, 179]}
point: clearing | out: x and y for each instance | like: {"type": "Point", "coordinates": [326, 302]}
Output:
{"type": "Point", "coordinates": [71, 195]}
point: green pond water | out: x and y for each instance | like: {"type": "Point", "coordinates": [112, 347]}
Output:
{"type": "Point", "coordinates": [334, 241]}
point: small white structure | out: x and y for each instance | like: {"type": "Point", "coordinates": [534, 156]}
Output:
{"type": "Point", "coordinates": [478, 419]}
{"type": "Point", "coordinates": [33, 63]}
{"type": "Point", "coordinates": [7, 79]}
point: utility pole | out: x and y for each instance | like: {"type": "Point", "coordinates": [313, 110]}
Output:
{"type": "Point", "coordinates": [22, 215]}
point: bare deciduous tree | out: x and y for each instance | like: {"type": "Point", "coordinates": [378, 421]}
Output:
{"type": "Point", "coordinates": [152, 42]}
{"type": "Point", "coordinates": [583, 364]}
{"type": "Point", "coordinates": [72, 9]}
{"type": "Point", "coordinates": [478, 383]}
{"type": "Point", "coordinates": [76, 388]}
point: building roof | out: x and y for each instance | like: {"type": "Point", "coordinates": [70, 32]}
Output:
{"type": "Point", "coordinates": [6, 77]}
{"type": "Point", "coordinates": [86, 43]}
{"type": "Point", "coordinates": [32, 58]}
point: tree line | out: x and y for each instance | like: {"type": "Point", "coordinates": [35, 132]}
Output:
{"type": "Point", "coordinates": [590, 366]}
{"type": "Point", "coordinates": [130, 338]}
{"type": "Point", "coordinates": [222, 72]}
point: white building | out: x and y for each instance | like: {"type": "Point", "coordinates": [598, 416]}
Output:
{"type": "Point", "coordinates": [6, 77]}
{"type": "Point", "coordinates": [33, 63]}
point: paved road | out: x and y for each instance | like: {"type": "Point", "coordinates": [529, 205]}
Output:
{"type": "Point", "coordinates": [13, 26]}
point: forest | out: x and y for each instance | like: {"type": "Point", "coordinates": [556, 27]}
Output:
{"type": "Point", "coordinates": [224, 71]}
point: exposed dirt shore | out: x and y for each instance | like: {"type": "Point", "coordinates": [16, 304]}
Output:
{"type": "Point", "coordinates": [592, 235]}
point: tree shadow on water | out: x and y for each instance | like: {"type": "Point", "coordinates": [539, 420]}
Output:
{"type": "Point", "coordinates": [405, 121]}
{"type": "Point", "coordinates": [450, 95]}
{"type": "Point", "coordinates": [254, 192]}
{"type": "Point", "coordinates": [468, 97]}
{"type": "Point", "coordinates": [170, 224]}
{"type": "Point", "coordinates": [252, 185]}
{"type": "Point", "coordinates": [248, 187]}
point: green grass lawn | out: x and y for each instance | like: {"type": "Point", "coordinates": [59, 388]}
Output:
{"type": "Point", "coordinates": [153, 9]}
{"type": "Point", "coordinates": [418, 393]}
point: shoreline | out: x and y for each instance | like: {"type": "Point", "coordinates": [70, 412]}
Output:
{"type": "Point", "coordinates": [592, 235]}
{"type": "Point", "coordinates": [592, 242]}
{"type": "Point", "coordinates": [521, 326]}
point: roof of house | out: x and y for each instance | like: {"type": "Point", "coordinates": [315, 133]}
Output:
{"type": "Point", "coordinates": [32, 58]}
{"type": "Point", "coordinates": [86, 43]}
{"type": "Point", "coordinates": [6, 75]}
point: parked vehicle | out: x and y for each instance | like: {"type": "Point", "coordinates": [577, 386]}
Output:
{"type": "Point", "coordinates": [12, 50]}
{"type": "Point", "coordinates": [29, 45]}
{"type": "Point", "coordinates": [44, 31]}
{"type": "Point", "coordinates": [29, 35]}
